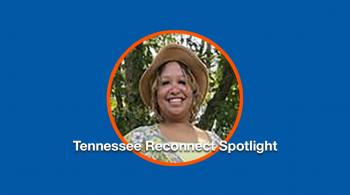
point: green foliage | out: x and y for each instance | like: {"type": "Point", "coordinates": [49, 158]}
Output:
{"type": "Point", "coordinates": [219, 109]}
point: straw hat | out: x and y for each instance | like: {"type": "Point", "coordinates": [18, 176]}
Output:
{"type": "Point", "coordinates": [174, 52]}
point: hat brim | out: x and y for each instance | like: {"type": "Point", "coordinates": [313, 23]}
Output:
{"type": "Point", "coordinates": [174, 52]}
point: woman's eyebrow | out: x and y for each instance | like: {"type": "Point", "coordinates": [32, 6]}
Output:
{"type": "Point", "coordinates": [168, 76]}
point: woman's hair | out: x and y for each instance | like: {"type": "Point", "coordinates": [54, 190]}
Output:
{"type": "Point", "coordinates": [190, 80]}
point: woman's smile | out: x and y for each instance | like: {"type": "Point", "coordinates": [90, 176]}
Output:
{"type": "Point", "coordinates": [176, 101]}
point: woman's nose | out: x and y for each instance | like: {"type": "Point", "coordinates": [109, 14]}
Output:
{"type": "Point", "coordinates": [175, 89]}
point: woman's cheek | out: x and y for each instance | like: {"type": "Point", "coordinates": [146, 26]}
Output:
{"type": "Point", "coordinates": [162, 90]}
{"type": "Point", "coordinates": [188, 90]}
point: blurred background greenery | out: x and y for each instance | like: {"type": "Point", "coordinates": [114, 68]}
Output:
{"type": "Point", "coordinates": [217, 113]}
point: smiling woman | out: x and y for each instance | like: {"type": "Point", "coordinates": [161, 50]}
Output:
{"type": "Point", "coordinates": [191, 90]}
{"type": "Point", "coordinates": [174, 86]}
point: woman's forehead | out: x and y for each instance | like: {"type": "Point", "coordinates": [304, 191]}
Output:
{"type": "Point", "coordinates": [172, 69]}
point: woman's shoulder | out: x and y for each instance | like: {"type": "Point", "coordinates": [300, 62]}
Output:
{"type": "Point", "coordinates": [142, 134]}
{"type": "Point", "coordinates": [214, 137]}
{"type": "Point", "coordinates": [206, 134]}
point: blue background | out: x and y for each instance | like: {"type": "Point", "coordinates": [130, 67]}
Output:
{"type": "Point", "coordinates": [56, 58]}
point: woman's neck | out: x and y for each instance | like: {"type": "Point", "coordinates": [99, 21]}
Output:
{"type": "Point", "coordinates": [175, 124]}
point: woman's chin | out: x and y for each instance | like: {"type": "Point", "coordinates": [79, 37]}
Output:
{"type": "Point", "coordinates": [176, 115]}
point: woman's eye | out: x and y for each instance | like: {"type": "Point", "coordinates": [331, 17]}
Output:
{"type": "Point", "coordinates": [165, 82]}
{"type": "Point", "coordinates": [182, 82]}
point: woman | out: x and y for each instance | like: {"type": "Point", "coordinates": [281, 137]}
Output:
{"type": "Point", "coordinates": [174, 86]}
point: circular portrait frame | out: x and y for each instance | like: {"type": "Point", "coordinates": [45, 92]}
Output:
{"type": "Point", "coordinates": [110, 100]}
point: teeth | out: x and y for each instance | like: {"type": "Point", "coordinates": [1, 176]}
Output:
{"type": "Point", "coordinates": [175, 100]}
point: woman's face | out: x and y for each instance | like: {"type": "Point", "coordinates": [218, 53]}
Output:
{"type": "Point", "coordinates": [174, 94]}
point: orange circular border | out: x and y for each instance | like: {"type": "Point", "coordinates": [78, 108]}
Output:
{"type": "Point", "coordinates": [114, 71]}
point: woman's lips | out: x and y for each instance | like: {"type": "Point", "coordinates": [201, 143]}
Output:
{"type": "Point", "coordinates": [175, 101]}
